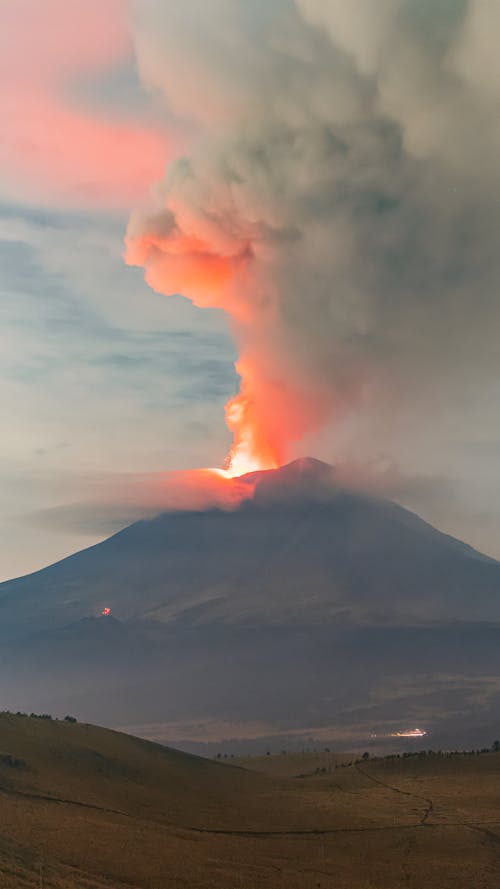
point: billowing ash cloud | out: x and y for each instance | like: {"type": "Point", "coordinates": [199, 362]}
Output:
{"type": "Point", "coordinates": [341, 203]}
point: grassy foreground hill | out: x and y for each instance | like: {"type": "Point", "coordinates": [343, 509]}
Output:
{"type": "Point", "coordinates": [86, 807]}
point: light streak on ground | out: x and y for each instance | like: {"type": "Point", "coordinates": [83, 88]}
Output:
{"type": "Point", "coordinates": [410, 733]}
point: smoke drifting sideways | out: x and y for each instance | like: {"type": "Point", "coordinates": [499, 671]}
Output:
{"type": "Point", "coordinates": [112, 503]}
{"type": "Point", "coordinates": [340, 202]}
{"type": "Point", "coordinates": [104, 505]}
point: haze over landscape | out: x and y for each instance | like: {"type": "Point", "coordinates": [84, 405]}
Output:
{"type": "Point", "coordinates": [250, 444]}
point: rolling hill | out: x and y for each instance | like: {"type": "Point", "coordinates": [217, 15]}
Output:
{"type": "Point", "coordinates": [87, 808]}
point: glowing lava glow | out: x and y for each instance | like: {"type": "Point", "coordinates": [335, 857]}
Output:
{"type": "Point", "coordinates": [179, 263]}
{"type": "Point", "coordinates": [240, 461]}
{"type": "Point", "coordinates": [106, 611]}
{"type": "Point", "coordinates": [182, 252]}
{"type": "Point", "coordinates": [250, 451]}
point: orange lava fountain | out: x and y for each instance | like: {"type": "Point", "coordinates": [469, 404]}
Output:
{"type": "Point", "coordinates": [176, 263]}
{"type": "Point", "coordinates": [182, 253]}
{"type": "Point", "coordinates": [250, 451]}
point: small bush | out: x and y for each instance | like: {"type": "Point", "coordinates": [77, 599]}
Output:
{"type": "Point", "coordinates": [6, 759]}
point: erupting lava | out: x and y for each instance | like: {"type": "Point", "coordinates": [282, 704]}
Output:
{"type": "Point", "coordinates": [264, 414]}
{"type": "Point", "coordinates": [217, 259]}
{"type": "Point", "coordinates": [250, 451]}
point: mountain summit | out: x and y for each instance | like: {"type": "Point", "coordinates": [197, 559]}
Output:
{"type": "Point", "coordinates": [304, 479]}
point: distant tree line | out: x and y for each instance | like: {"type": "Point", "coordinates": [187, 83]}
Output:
{"type": "Point", "coordinates": [421, 754]}
{"type": "Point", "coordinates": [40, 716]}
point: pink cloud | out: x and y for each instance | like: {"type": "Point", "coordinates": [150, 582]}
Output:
{"type": "Point", "coordinates": [53, 151]}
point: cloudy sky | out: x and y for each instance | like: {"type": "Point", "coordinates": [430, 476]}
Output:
{"type": "Point", "coordinates": [320, 180]}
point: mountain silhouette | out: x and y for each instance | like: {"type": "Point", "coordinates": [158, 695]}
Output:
{"type": "Point", "coordinates": [308, 604]}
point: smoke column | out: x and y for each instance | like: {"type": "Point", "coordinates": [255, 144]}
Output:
{"type": "Point", "coordinates": [340, 203]}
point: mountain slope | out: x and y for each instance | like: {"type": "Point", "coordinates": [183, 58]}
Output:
{"type": "Point", "coordinates": [308, 607]}
{"type": "Point", "coordinates": [300, 551]}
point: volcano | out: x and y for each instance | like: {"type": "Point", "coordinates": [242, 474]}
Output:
{"type": "Point", "coordinates": [309, 607]}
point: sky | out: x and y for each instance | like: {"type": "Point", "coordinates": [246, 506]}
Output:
{"type": "Point", "coordinates": [320, 181]}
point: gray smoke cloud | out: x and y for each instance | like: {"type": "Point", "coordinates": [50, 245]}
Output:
{"type": "Point", "coordinates": [343, 187]}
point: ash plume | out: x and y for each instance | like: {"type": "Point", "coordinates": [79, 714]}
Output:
{"type": "Point", "coordinates": [340, 203]}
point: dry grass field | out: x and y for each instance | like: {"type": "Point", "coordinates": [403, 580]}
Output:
{"type": "Point", "coordinates": [87, 808]}
{"type": "Point", "coordinates": [293, 765]}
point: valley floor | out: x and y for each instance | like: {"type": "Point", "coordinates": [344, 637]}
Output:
{"type": "Point", "coordinates": [88, 808]}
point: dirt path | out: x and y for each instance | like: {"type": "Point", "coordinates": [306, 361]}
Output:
{"type": "Point", "coordinates": [429, 805]}
{"type": "Point", "coordinates": [291, 832]}
{"type": "Point", "coordinates": [299, 832]}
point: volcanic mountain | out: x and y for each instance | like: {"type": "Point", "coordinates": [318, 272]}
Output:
{"type": "Point", "coordinates": [308, 605]}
